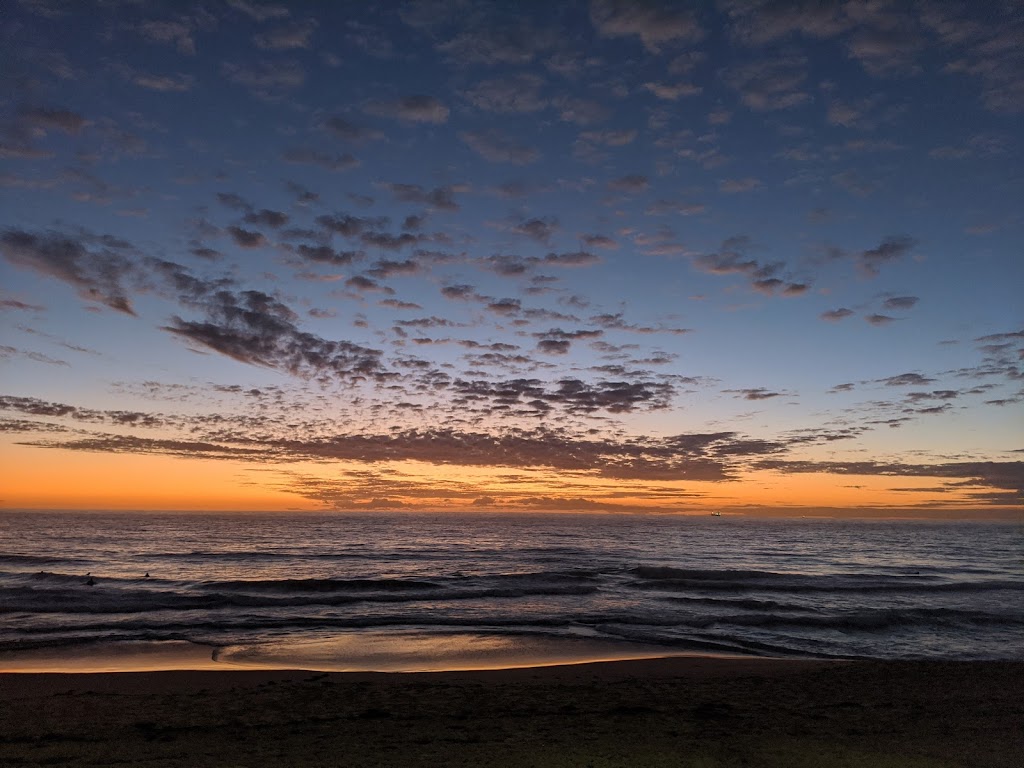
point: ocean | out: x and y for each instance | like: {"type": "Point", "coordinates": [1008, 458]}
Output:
{"type": "Point", "coordinates": [349, 590]}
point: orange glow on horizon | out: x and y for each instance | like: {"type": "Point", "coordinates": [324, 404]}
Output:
{"type": "Point", "coordinates": [59, 479]}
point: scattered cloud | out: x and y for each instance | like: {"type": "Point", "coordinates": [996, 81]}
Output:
{"type": "Point", "coordinates": [411, 109]}
{"type": "Point", "coordinates": [325, 160]}
{"type": "Point", "coordinates": [658, 26]}
{"type": "Point", "coordinates": [770, 84]}
{"type": "Point", "coordinates": [99, 268]}
{"type": "Point", "coordinates": [499, 148]}
{"type": "Point", "coordinates": [901, 302]}
{"type": "Point", "coordinates": [285, 38]}
{"type": "Point", "coordinates": [833, 315]}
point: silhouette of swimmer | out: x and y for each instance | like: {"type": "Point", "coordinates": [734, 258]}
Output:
{"type": "Point", "coordinates": [147, 575]}
{"type": "Point", "coordinates": [90, 581]}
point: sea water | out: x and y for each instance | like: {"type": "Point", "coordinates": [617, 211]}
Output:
{"type": "Point", "coordinates": [319, 590]}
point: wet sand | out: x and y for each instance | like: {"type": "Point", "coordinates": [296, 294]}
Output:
{"type": "Point", "coordinates": [698, 712]}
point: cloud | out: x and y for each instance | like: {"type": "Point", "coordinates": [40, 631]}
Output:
{"type": "Point", "coordinates": [362, 283]}
{"type": "Point", "coordinates": [694, 457]}
{"type": "Point", "coordinates": [901, 302]}
{"type": "Point", "coordinates": [350, 226]}
{"type": "Point", "coordinates": [675, 207]}
{"type": "Point", "coordinates": [412, 109]}
{"type": "Point", "coordinates": [879, 320]}
{"type": "Point", "coordinates": [732, 259]}
{"type": "Point", "coordinates": [657, 26]}
{"type": "Point", "coordinates": [386, 268]}
{"type": "Point", "coordinates": [739, 185]}
{"type": "Point", "coordinates": [987, 47]}
{"type": "Point", "coordinates": [177, 83]}
{"type": "Point", "coordinates": [769, 84]}
{"type": "Point", "coordinates": [8, 352]}
{"type": "Point", "coordinates": [613, 138]}
{"type": "Point", "coordinates": [632, 183]}
{"type": "Point", "coordinates": [330, 162]}
{"type": "Point", "coordinates": [884, 50]}
{"type": "Point", "coordinates": [324, 254]}
{"type": "Point", "coordinates": [53, 119]}
{"type": "Point", "coordinates": [178, 33]}
{"type": "Point", "coordinates": [246, 238]}
{"type": "Point", "coordinates": [616, 322]}
{"type": "Point", "coordinates": [758, 393]}
{"type": "Point", "coordinates": [349, 131]}
{"type": "Point", "coordinates": [498, 148]}
{"type": "Point", "coordinates": [440, 198]}
{"type": "Point", "coordinates": [396, 304]}
{"type": "Point", "coordinates": [537, 229]}
{"type": "Point", "coordinates": [259, 11]}
{"type": "Point", "coordinates": [581, 111]}
{"type": "Point", "coordinates": [853, 182]}
{"type": "Point", "coordinates": [288, 37]}
{"type": "Point", "coordinates": [268, 81]}
{"type": "Point", "coordinates": [519, 94]}
{"type": "Point", "coordinates": [672, 92]}
{"type": "Point", "coordinates": [906, 380]}
{"type": "Point", "coordinates": [935, 394]}
{"type": "Point", "coordinates": [1009, 336]}
{"type": "Point", "coordinates": [99, 268]}
{"type": "Point", "coordinates": [599, 241]}
{"type": "Point", "coordinates": [557, 342]}
{"type": "Point", "coordinates": [460, 292]}
{"type": "Point", "coordinates": [759, 22]}
{"type": "Point", "coordinates": [1007, 475]}
{"type": "Point", "coordinates": [571, 259]}
{"type": "Point", "coordinates": [492, 38]}
{"type": "Point", "coordinates": [388, 242]}
{"type": "Point", "coordinates": [36, 407]}
{"type": "Point", "coordinates": [574, 395]}
{"type": "Point", "coordinates": [255, 328]}
{"type": "Point", "coordinates": [890, 249]}
{"type": "Point", "coordinates": [234, 202]}
{"type": "Point", "coordinates": [267, 218]}
{"type": "Point", "coordinates": [843, 113]}
{"type": "Point", "coordinates": [796, 289]}
{"type": "Point", "coordinates": [553, 346]}
{"type": "Point", "coordinates": [834, 315]}
{"type": "Point", "coordinates": [505, 306]}
{"type": "Point", "coordinates": [20, 305]}
{"type": "Point", "coordinates": [513, 266]}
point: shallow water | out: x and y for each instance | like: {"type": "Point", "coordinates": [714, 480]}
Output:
{"type": "Point", "coordinates": [329, 587]}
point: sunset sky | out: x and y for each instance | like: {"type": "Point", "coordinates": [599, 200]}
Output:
{"type": "Point", "coordinates": [453, 255]}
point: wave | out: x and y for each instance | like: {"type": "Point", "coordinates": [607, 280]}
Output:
{"type": "Point", "coordinates": [665, 573]}
{"type": "Point", "coordinates": [95, 599]}
{"type": "Point", "coordinates": [750, 604]}
{"type": "Point", "coordinates": [40, 560]}
{"type": "Point", "coordinates": [324, 585]}
{"type": "Point", "coordinates": [244, 556]}
{"type": "Point", "coordinates": [680, 579]}
{"type": "Point", "coordinates": [869, 620]}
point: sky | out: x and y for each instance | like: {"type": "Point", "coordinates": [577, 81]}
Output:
{"type": "Point", "coordinates": [453, 255]}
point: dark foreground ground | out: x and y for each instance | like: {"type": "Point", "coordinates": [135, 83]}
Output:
{"type": "Point", "coordinates": [669, 712]}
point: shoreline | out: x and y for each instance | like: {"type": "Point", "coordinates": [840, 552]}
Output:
{"type": "Point", "coordinates": [669, 711]}
{"type": "Point", "coordinates": [386, 652]}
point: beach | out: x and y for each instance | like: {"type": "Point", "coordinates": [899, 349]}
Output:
{"type": "Point", "coordinates": [684, 711]}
